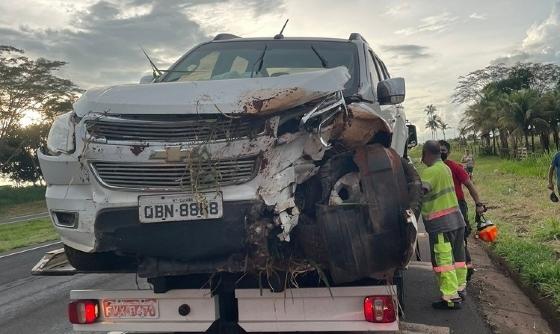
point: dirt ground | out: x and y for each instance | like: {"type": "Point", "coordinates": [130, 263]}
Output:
{"type": "Point", "coordinates": [504, 306]}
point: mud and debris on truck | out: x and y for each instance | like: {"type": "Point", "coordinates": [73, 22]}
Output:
{"type": "Point", "coordinates": [270, 157]}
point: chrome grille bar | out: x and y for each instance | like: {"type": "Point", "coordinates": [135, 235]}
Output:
{"type": "Point", "coordinates": [173, 128]}
{"type": "Point", "coordinates": [175, 176]}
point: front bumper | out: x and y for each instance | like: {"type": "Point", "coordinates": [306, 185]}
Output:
{"type": "Point", "coordinates": [120, 229]}
{"type": "Point", "coordinates": [107, 219]}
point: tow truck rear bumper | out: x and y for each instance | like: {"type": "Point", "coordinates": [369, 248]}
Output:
{"type": "Point", "coordinates": [296, 310]}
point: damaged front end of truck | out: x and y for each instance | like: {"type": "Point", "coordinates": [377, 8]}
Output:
{"type": "Point", "coordinates": [261, 176]}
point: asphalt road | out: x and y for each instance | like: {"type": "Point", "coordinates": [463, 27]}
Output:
{"type": "Point", "coordinates": [35, 304]}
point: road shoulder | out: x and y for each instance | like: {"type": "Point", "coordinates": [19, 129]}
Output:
{"type": "Point", "coordinates": [502, 303]}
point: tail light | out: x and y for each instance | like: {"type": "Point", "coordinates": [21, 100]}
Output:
{"type": "Point", "coordinates": [379, 309]}
{"type": "Point", "coordinates": [83, 311]}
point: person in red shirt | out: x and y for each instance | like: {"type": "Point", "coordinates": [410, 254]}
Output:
{"type": "Point", "coordinates": [460, 178]}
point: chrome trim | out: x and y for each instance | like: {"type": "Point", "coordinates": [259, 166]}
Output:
{"type": "Point", "coordinates": [147, 128]}
{"type": "Point", "coordinates": [57, 223]}
{"type": "Point", "coordinates": [112, 179]}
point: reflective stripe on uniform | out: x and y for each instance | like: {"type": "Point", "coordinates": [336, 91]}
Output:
{"type": "Point", "coordinates": [443, 269]}
{"type": "Point", "coordinates": [433, 197]}
{"type": "Point", "coordinates": [460, 265]}
{"type": "Point", "coordinates": [441, 213]}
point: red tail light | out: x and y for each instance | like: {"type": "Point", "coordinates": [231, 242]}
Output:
{"type": "Point", "coordinates": [379, 309]}
{"type": "Point", "coordinates": [83, 311]}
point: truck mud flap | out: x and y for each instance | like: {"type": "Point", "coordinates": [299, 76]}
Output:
{"type": "Point", "coordinates": [369, 238]}
{"type": "Point", "coordinates": [354, 250]}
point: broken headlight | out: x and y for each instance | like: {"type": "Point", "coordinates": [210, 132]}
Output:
{"type": "Point", "coordinates": [325, 109]}
{"type": "Point", "coordinates": [61, 136]}
{"type": "Point", "coordinates": [323, 114]}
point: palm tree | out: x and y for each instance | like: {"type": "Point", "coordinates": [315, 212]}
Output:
{"type": "Point", "coordinates": [443, 126]}
{"type": "Point", "coordinates": [551, 109]}
{"type": "Point", "coordinates": [522, 113]}
{"type": "Point", "coordinates": [433, 125]}
{"type": "Point", "coordinates": [463, 133]}
{"type": "Point", "coordinates": [430, 110]}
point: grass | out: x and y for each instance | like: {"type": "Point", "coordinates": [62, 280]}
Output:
{"type": "Point", "coordinates": [536, 165]}
{"type": "Point", "coordinates": [17, 201]}
{"type": "Point", "coordinates": [528, 222]}
{"type": "Point", "coordinates": [24, 234]}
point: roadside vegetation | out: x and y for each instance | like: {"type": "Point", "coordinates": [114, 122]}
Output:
{"type": "Point", "coordinates": [19, 201]}
{"type": "Point", "coordinates": [28, 85]}
{"type": "Point", "coordinates": [26, 233]}
{"type": "Point", "coordinates": [529, 223]}
{"type": "Point", "coordinates": [10, 195]}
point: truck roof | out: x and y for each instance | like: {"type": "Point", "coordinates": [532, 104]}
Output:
{"type": "Point", "coordinates": [231, 38]}
{"type": "Point", "coordinates": [242, 39]}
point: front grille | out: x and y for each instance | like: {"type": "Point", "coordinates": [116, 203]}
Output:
{"type": "Point", "coordinates": [174, 128]}
{"type": "Point", "coordinates": [175, 176]}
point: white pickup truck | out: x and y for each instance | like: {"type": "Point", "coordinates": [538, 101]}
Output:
{"type": "Point", "coordinates": [268, 170]}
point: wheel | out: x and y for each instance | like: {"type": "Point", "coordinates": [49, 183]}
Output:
{"type": "Point", "coordinates": [97, 261]}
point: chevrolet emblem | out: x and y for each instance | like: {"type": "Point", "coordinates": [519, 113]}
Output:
{"type": "Point", "coordinates": [170, 154]}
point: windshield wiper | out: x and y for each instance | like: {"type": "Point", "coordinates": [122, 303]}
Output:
{"type": "Point", "coordinates": [321, 58]}
{"type": "Point", "coordinates": [260, 61]}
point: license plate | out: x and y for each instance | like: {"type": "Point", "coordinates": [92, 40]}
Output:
{"type": "Point", "coordinates": [130, 308]}
{"type": "Point", "coordinates": [177, 207]}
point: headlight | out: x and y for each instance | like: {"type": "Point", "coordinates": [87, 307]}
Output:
{"type": "Point", "coordinates": [61, 135]}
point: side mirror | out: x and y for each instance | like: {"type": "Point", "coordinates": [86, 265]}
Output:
{"type": "Point", "coordinates": [412, 136]}
{"type": "Point", "coordinates": [149, 78]}
{"type": "Point", "coordinates": [391, 91]}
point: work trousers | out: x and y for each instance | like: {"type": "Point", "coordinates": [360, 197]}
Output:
{"type": "Point", "coordinates": [448, 260]}
{"type": "Point", "coordinates": [465, 212]}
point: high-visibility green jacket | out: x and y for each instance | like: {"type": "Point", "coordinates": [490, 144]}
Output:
{"type": "Point", "coordinates": [440, 209]}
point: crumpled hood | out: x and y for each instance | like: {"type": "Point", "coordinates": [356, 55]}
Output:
{"type": "Point", "coordinates": [231, 96]}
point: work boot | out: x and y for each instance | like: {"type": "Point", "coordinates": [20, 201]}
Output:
{"type": "Point", "coordinates": [447, 305]}
{"type": "Point", "coordinates": [462, 294]}
{"type": "Point", "coordinates": [470, 272]}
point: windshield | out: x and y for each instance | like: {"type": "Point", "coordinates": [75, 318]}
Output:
{"type": "Point", "coordinates": [246, 59]}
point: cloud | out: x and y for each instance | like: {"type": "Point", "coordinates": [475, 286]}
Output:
{"type": "Point", "coordinates": [398, 10]}
{"type": "Point", "coordinates": [477, 16]}
{"type": "Point", "coordinates": [541, 43]}
{"type": "Point", "coordinates": [234, 16]}
{"type": "Point", "coordinates": [102, 41]}
{"type": "Point", "coordinates": [436, 23]}
{"type": "Point", "coordinates": [407, 51]}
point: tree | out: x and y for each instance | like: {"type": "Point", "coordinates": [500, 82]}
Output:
{"type": "Point", "coordinates": [523, 114]}
{"type": "Point", "coordinates": [443, 126]}
{"type": "Point", "coordinates": [551, 110]}
{"type": "Point", "coordinates": [504, 79]}
{"type": "Point", "coordinates": [22, 165]}
{"type": "Point", "coordinates": [498, 109]}
{"type": "Point", "coordinates": [433, 125]}
{"type": "Point", "coordinates": [463, 133]}
{"type": "Point", "coordinates": [432, 122]}
{"type": "Point", "coordinates": [28, 85]}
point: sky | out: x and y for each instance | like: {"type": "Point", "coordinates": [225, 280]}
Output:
{"type": "Point", "coordinates": [428, 42]}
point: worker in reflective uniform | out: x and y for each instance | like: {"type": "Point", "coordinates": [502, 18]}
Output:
{"type": "Point", "coordinates": [460, 178]}
{"type": "Point", "coordinates": [445, 226]}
